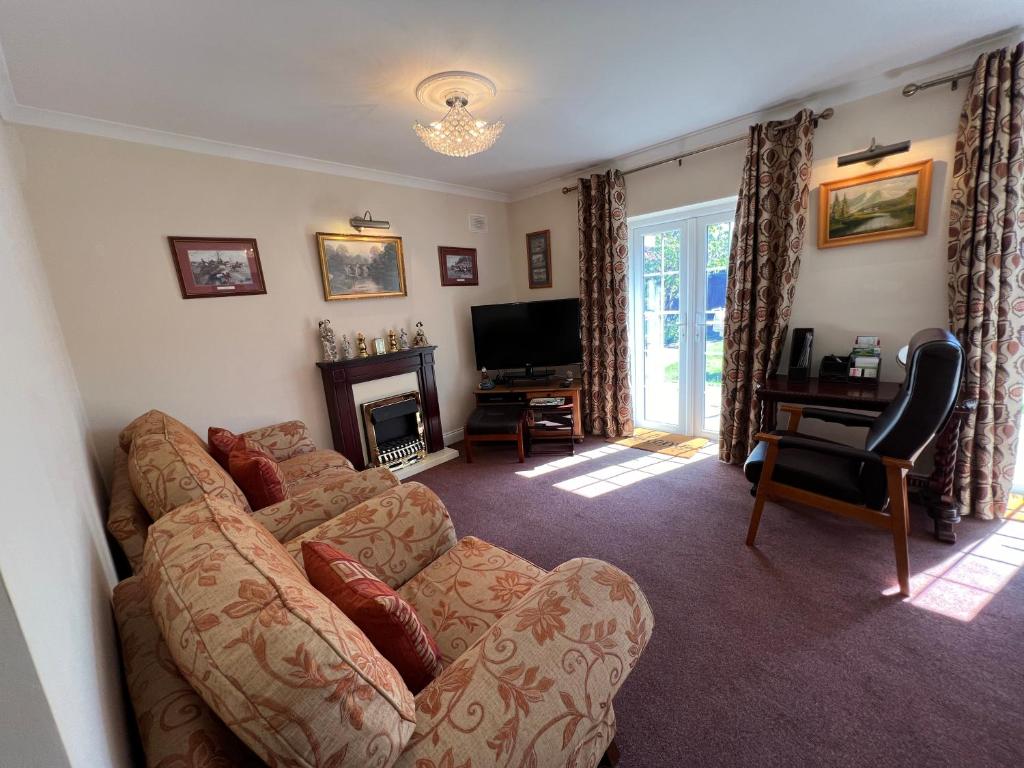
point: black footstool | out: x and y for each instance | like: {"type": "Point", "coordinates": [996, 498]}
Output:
{"type": "Point", "coordinates": [495, 424]}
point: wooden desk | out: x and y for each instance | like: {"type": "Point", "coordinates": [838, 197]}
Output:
{"type": "Point", "coordinates": [523, 393]}
{"type": "Point", "coordinates": [827, 394]}
{"type": "Point", "coordinates": [935, 491]}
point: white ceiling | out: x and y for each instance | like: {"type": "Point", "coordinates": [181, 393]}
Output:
{"type": "Point", "coordinates": [579, 81]}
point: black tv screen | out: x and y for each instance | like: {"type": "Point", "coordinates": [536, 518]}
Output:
{"type": "Point", "coordinates": [528, 333]}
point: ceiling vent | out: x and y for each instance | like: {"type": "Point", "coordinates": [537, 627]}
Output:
{"type": "Point", "coordinates": [477, 222]}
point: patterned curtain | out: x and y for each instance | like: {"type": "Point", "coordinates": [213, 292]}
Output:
{"type": "Point", "coordinates": [607, 406]}
{"type": "Point", "coordinates": [986, 276]}
{"type": "Point", "coordinates": [771, 217]}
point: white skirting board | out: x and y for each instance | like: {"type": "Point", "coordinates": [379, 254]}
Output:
{"type": "Point", "coordinates": [431, 460]}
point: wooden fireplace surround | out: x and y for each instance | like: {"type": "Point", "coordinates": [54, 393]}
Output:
{"type": "Point", "coordinates": [339, 378]}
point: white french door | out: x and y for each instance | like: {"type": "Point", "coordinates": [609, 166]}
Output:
{"type": "Point", "coordinates": [678, 266]}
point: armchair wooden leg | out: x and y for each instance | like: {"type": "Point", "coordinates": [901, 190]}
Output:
{"type": "Point", "coordinates": [467, 443]}
{"type": "Point", "coordinates": [763, 485]}
{"type": "Point", "coordinates": [519, 445]}
{"type": "Point", "coordinates": [899, 512]}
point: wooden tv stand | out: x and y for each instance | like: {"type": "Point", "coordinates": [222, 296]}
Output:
{"type": "Point", "coordinates": [521, 394]}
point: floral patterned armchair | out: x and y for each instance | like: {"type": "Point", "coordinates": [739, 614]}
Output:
{"type": "Point", "coordinates": [233, 658]}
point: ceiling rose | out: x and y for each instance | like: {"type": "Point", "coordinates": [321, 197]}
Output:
{"type": "Point", "coordinates": [458, 133]}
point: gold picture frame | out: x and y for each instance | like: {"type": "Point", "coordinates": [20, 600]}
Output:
{"type": "Point", "coordinates": [361, 266]}
{"type": "Point", "coordinates": [892, 204]}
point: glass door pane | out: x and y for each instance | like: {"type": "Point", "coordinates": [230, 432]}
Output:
{"type": "Point", "coordinates": [716, 236]}
{"type": "Point", "coordinates": [661, 327]}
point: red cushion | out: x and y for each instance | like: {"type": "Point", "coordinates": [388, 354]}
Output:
{"type": "Point", "coordinates": [221, 442]}
{"type": "Point", "coordinates": [257, 474]}
{"type": "Point", "coordinates": [389, 622]}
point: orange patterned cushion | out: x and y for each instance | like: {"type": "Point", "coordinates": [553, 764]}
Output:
{"type": "Point", "coordinates": [167, 471]}
{"type": "Point", "coordinates": [221, 441]}
{"type": "Point", "coordinates": [257, 474]}
{"type": "Point", "coordinates": [154, 423]}
{"type": "Point", "coordinates": [386, 619]}
{"type": "Point", "coordinates": [277, 662]}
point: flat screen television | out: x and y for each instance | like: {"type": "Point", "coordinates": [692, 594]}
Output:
{"type": "Point", "coordinates": [527, 334]}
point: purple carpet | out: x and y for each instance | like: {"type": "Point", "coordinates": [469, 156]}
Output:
{"type": "Point", "coordinates": [789, 654]}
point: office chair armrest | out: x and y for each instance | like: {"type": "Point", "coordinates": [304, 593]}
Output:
{"type": "Point", "coordinates": [840, 417]}
{"type": "Point", "coordinates": [787, 442]}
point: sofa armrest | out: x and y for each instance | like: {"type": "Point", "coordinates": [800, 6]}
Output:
{"type": "Point", "coordinates": [537, 687]}
{"type": "Point", "coordinates": [395, 534]}
{"type": "Point", "coordinates": [328, 499]}
{"type": "Point", "coordinates": [284, 440]}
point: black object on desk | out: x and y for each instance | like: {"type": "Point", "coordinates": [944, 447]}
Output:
{"type": "Point", "coordinates": [800, 354]}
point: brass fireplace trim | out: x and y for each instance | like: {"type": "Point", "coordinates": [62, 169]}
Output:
{"type": "Point", "coordinates": [372, 449]}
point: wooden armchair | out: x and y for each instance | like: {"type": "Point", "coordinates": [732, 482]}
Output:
{"type": "Point", "coordinates": [870, 483]}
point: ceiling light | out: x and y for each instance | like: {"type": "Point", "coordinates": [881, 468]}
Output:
{"type": "Point", "coordinates": [458, 133]}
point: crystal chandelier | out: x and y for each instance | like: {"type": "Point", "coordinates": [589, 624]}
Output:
{"type": "Point", "coordinates": [459, 134]}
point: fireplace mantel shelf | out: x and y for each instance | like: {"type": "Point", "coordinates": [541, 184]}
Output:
{"type": "Point", "coordinates": [338, 379]}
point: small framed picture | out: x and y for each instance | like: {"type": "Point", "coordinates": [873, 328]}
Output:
{"type": "Point", "coordinates": [883, 205]}
{"type": "Point", "coordinates": [217, 266]}
{"type": "Point", "coordinates": [379, 347]}
{"type": "Point", "coordinates": [458, 265]}
{"type": "Point", "coordinates": [538, 258]}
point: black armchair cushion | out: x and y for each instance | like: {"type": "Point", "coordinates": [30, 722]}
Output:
{"type": "Point", "coordinates": [835, 476]}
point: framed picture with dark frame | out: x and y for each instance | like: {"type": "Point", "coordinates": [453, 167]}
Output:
{"type": "Point", "coordinates": [217, 266]}
{"type": "Point", "coordinates": [538, 258]}
{"type": "Point", "coordinates": [458, 265]}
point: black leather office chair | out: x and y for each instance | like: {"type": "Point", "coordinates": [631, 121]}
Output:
{"type": "Point", "coordinates": [869, 483]}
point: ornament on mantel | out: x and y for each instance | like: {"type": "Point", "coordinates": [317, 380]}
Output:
{"type": "Point", "coordinates": [392, 341]}
{"type": "Point", "coordinates": [328, 344]}
{"type": "Point", "coordinates": [403, 339]}
{"type": "Point", "coordinates": [419, 339]}
{"type": "Point", "coordinates": [346, 348]}
{"type": "Point", "coordinates": [361, 345]}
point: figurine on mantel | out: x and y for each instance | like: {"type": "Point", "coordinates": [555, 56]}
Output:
{"type": "Point", "coordinates": [328, 344]}
{"type": "Point", "coordinates": [392, 341]}
{"type": "Point", "coordinates": [361, 345]}
{"type": "Point", "coordinates": [346, 348]}
{"type": "Point", "coordinates": [403, 339]}
{"type": "Point", "coordinates": [419, 339]}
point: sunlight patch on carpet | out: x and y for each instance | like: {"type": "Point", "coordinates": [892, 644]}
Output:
{"type": "Point", "coordinates": [616, 476]}
{"type": "Point", "coordinates": [965, 582]}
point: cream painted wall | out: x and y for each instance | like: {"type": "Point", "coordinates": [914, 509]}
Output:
{"type": "Point", "coordinates": [55, 566]}
{"type": "Point", "coordinates": [889, 288]}
{"type": "Point", "coordinates": [103, 210]}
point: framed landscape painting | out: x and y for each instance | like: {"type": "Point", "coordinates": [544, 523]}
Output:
{"type": "Point", "coordinates": [876, 206]}
{"type": "Point", "coordinates": [538, 258]}
{"type": "Point", "coordinates": [361, 266]}
{"type": "Point", "coordinates": [217, 266]}
{"type": "Point", "coordinates": [458, 265]}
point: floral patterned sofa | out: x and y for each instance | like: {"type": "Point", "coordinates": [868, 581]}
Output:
{"type": "Point", "coordinates": [233, 659]}
{"type": "Point", "coordinates": [160, 464]}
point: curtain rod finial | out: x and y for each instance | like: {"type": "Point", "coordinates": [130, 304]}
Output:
{"type": "Point", "coordinates": [826, 114]}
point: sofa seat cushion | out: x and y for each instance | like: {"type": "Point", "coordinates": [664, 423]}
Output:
{"type": "Point", "coordinates": [257, 474]}
{"type": "Point", "coordinates": [154, 423]}
{"type": "Point", "coordinates": [167, 471]}
{"type": "Point", "coordinates": [312, 463]}
{"type": "Point", "coordinates": [287, 671]}
{"type": "Point", "coordinates": [386, 619]}
{"type": "Point", "coordinates": [175, 725]}
{"type": "Point", "coordinates": [466, 590]}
